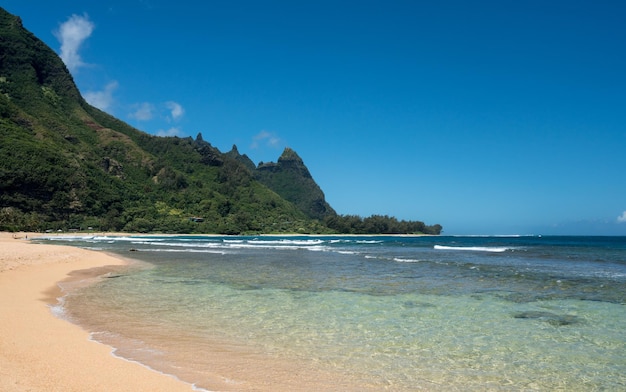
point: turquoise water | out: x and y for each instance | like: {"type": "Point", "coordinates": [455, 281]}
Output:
{"type": "Point", "coordinates": [378, 313]}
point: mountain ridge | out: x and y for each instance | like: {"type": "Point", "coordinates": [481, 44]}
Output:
{"type": "Point", "coordinates": [68, 165]}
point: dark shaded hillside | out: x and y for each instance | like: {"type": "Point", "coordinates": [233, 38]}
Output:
{"type": "Point", "coordinates": [290, 178]}
{"type": "Point", "coordinates": [67, 165]}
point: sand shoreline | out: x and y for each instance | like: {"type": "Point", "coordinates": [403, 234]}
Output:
{"type": "Point", "coordinates": [40, 352]}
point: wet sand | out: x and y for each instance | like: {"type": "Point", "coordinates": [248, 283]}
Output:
{"type": "Point", "coordinates": [40, 352]}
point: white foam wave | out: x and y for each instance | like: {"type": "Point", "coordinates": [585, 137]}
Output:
{"type": "Point", "coordinates": [66, 238]}
{"type": "Point", "coordinates": [239, 244]}
{"type": "Point", "coordinates": [286, 242]}
{"type": "Point", "coordinates": [217, 252]}
{"type": "Point", "coordinates": [182, 244]}
{"type": "Point", "coordinates": [58, 310]}
{"type": "Point", "coordinates": [276, 246]}
{"type": "Point", "coordinates": [497, 249]}
{"type": "Point", "coordinates": [116, 238]}
{"type": "Point", "coordinates": [402, 260]}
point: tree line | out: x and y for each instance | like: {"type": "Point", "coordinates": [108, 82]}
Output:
{"type": "Point", "coordinates": [378, 224]}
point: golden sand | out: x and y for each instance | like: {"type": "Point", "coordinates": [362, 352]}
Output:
{"type": "Point", "coordinates": [40, 352]}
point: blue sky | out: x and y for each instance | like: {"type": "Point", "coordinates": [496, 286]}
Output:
{"type": "Point", "coordinates": [487, 117]}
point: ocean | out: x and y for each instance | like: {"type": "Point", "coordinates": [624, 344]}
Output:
{"type": "Point", "coordinates": [355, 313]}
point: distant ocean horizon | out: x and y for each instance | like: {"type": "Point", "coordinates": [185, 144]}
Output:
{"type": "Point", "coordinates": [398, 313]}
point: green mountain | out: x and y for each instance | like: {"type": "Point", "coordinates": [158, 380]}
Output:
{"type": "Point", "coordinates": [67, 165]}
{"type": "Point", "coordinates": [290, 178]}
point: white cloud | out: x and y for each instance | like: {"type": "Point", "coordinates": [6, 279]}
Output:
{"type": "Point", "coordinates": [267, 138]}
{"type": "Point", "coordinates": [147, 111]}
{"type": "Point", "coordinates": [72, 34]}
{"type": "Point", "coordinates": [176, 110]}
{"type": "Point", "coordinates": [103, 100]}
{"type": "Point", "coordinates": [144, 111]}
{"type": "Point", "coordinates": [622, 218]}
{"type": "Point", "coordinates": [169, 132]}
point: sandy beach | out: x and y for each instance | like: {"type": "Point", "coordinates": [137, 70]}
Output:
{"type": "Point", "coordinates": [40, 352]}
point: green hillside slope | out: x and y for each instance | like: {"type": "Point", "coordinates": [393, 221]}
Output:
{"type": "Point", "coordinates": [66, 165]}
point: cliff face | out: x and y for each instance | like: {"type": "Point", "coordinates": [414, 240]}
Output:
{"type": "Point", "coordinates": [291, 179]}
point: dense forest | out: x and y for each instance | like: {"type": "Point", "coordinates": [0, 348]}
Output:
{"type": "Point", "coordinates": [65, 165]}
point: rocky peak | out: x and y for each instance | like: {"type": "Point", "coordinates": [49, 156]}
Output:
{"type": "Point", "coordinates": [243, 159]}
{"type": "Point", "coordinates": [291, 179]}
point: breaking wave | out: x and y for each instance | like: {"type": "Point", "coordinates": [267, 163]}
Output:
{"type": "Point", "coordinates": [497, 249]}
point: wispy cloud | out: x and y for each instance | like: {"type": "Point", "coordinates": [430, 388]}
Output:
{"type": "Point", "coordinates": [146, 111]}
{"type": "Point", "coordinates": [103, 100]}
{"type": "Point", "coordinates": [265, 138]}
{"type": "Point", "coordinates": [169, 132]}
{"type": "Point", "coordinates": [72, 34]}
{"type": "Point", "coordinates": [176, 110]}
{"type": "Point", "coordinates": [622, 218]}
{"type": "Point", "coordinates": [143, 111]}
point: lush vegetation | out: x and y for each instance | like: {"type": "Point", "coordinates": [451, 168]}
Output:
{"type": "Point", "coordinates": [66, 165]}
{"type": "Point", "coordinates": [291, 179]}
{"type": "Point", "coordinates": [377, 224]}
